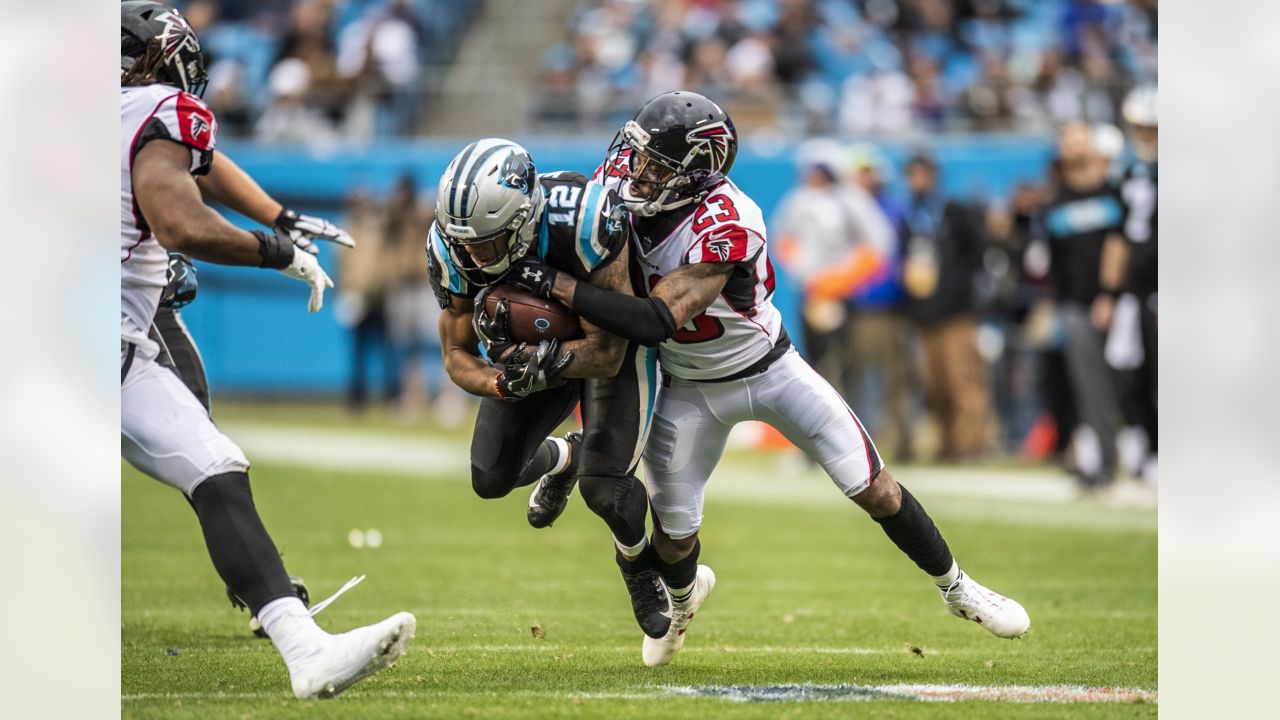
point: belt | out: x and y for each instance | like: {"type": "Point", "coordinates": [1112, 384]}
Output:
{"type": "Point", "coordinates": [779, 349]}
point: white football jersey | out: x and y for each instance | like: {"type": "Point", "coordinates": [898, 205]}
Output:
{"type": "Point", "coordinates": [152, 112]}
{"type": "Point", "coordinates": [741, 325]}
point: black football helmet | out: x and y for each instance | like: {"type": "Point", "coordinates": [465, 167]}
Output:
{"type": "Point", "coordinates": [678, 147]}
{"type": "Point", "coordinates": [144, 24]}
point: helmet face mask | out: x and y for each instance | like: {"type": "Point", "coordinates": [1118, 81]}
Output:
{"type": "Point", "coordinates": [677, 148]}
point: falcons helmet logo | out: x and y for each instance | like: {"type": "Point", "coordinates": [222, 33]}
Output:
{"type": "Point", "coordinates": [712, 140]}
{"type": "Point", "coordinates": [177, 35]}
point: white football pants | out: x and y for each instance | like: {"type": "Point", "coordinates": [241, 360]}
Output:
{"type": "Point", "coordinates": [166, 433]}
{"type": "Point", "coordinates": [692, 421]}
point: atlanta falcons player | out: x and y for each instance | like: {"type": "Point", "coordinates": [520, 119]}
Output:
{"type": "Point", "coordinates": [492, 209]}
{"type": "Point", "coordinates": [725, 357]}
{"type": "Point", "coordinates": [167, 140]}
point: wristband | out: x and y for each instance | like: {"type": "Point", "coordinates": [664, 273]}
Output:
{"type": "Point", "coordinates": [276, 251]}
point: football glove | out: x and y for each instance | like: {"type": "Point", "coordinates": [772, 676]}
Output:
{"type": "Point", "coordinates": [534, 275]}
{"type": "Point", "coordinates": [526, 372]}
{"type": "Point", "coordinates": [306, 268]}
{"type": "Point", "coordinates": [494, 332]}
{"type": "Point", "coordinates": [180, 282]}
{"type": "Point", "coordinates": [303, 230]}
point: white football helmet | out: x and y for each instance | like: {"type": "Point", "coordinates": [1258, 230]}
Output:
{"type": "Point", "coordinates": [1140, 111]}
{"type": "Point", "coordinates": [486, 199]}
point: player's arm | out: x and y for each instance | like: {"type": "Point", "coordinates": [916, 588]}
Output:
{"type": "Point", "coordinates": [678, 298]}
{"type": "Point", "coordinates": [174, 209]}
{"type": "Point", "coordinates": [227, 184]}
{"type": "Point", "coordinates": [171, 203]}
{"type": "Point", "coordinates": [460, 352]}
{"type": "Point", "coordinates": [599, 354]}
{"type": "Point", "coordinates": [1111, 276]}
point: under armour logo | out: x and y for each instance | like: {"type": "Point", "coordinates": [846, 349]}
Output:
{"type": "Point", "coordinates": [531, 275]}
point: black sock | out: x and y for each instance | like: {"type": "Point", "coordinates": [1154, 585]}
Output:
{"type": "Point", "coordinates": [546, 457]}
{"type": "Point", "coordinates": [646, 559]}
{"type": "Point", "coordinates": [681, 573]}
{"type": "Point", "coordinates": [913, 531]}
{"type": "Point", "coordinates": [241, 550]}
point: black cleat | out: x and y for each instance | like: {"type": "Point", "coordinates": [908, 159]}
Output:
{"type": "Point", "coordinates": [649, 600]}
{"type": "Point", "coordinates": [551, 494]}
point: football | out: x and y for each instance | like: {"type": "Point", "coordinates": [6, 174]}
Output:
{"type": "Point", "coordinates": [533, 319]}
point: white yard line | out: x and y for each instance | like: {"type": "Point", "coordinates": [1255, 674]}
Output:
{"type": "Point", "coordinates": [765, 693]}
{"type": "Point", "coordinates": [1031, 496]}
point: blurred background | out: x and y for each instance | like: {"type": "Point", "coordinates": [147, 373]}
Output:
{"type": "Point", "coordinates": [961, 150]}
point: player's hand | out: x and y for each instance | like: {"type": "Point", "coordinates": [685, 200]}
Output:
{"type": "Point", "coordinates": [180, 282]}
{"type": "Point", "coordinates": [303, 230]}
{"type": "Point", "coordinates": [307, 269]}
{"type": "Point", "coordinates": [529, 372]}
{"type": "Point", "coordinates": [534, 275]}
{"type": "Point", "coordinates": [494, 332]}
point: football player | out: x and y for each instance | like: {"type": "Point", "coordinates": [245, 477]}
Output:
{"type": "Point", "coordinates": [167, 140]}
{"type": "Point", "coordinates": [492, 209]}
{"type": "Point", "coordinates": [699, 246]}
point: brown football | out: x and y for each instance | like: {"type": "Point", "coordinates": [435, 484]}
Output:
{"type": "Point", "coordinates": [533, 319]}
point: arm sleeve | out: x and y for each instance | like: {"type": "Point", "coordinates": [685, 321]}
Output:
{"type": "Point", "coordinates": [647, 321]}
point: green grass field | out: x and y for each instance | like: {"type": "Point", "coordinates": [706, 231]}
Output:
{"type": "Point", "coordinates": [810, 592]}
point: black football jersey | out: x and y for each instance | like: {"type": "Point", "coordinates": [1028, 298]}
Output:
{"type": "Point", "coordinates": [580, 226]}
{"type": "Point", "coordinates": [1138, 195]}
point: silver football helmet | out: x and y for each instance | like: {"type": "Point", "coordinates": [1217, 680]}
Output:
{"type": "Point", "coordinates": [486, 200]}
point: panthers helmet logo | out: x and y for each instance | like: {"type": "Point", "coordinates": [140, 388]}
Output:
{"type": "Point", "coordinates": [517, 172]}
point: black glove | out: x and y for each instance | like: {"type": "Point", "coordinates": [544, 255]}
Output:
{"type": "Point", "coordinates": [534, 275]}
{"type": "Point", "coordinates": [180, 282]}
{"type": "Point", "coordinates": [494, 332]}
{"type": "Point", "coordinates": [303, 230]}
{"type": "Point", "coordinates": [527, 373]}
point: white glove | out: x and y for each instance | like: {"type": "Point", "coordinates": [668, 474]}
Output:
{"type": "Point", "coordinates": [304, 229]}
{"type": "Point", "coordinates": [307, 269]}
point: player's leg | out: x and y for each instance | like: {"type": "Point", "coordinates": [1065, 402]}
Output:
{"type": "Point", "coordinates": [180, 349]}
{"type": "Point", "coordinates": [792, 397]}
{"type": "Point", "coordinates": [507, 446]}
{"type": "Point", "coordinates": [166, 433]}
{"type": "Point", "coordinates": [691, 423]}
{"type": "Point", "coordinates": [616, 415]}
{"type": "Point", "coordinates": [1093, 389]}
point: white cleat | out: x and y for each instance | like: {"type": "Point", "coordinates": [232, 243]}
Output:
{"type": "Point", "coordinates": [659, 651]}
{"type": "Point", "coordinates": [345, 659]}
{"type": "Point", "coordinates": [1000, 615]}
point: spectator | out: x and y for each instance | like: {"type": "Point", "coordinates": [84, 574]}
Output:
{"type": "Point", "coordinates": [943, 251]}
{"type": "Point", "coordinates": [1087, 260]}
{"type": "Point", "coordinates": [367, 274]}
{"type": "Point", "coordinates": [881, 337]}
{"type": "Point", "coordinates": [830, 238]}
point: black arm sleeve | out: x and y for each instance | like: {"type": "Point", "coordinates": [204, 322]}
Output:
{"type": "Point", "coordinates": [647, 321]}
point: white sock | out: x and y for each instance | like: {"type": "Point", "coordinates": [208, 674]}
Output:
{"type": "Point", "coordinates": [562, 450]}
{"type": "Point", "coordinates": [631, 552]}
{"type": "Point", "coordinates": [950, 578]}
{"type": "Point", "coordinates": [291, 629]}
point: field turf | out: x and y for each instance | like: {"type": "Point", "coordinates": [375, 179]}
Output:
{"type": "Point", "coordinates": [516, 622]}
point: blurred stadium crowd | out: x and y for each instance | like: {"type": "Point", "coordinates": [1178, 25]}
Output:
{"type": "Point", "coordinates": [356, 69]}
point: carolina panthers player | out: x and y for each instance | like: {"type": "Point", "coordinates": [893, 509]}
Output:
{"type": "Point", "coordinates": [167, 140]}
{"type": "Point", "coordinates": [699, 246]}
{"type": "Point", "coordinates": [492, 209]}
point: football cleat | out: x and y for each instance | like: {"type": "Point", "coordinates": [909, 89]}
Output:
{"type": "Point", "coordinates": [343, 660]}
{"type": "Point", "coordinates": [551, 494]}
{"type": "Point", "coordinates": [649, 599]}
{"type": "Point", "coordinates": [659, 651]}
{"type": "Point", "coordinates": [1000, 615]}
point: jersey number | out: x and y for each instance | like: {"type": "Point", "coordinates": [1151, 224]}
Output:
{"type": "Point", "coordinates": [703, 219]}
{"type": "Point", "coordinates": [705, 327]}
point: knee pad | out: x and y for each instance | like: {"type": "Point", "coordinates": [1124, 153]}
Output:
{"type": "Point", "coordinates": [620, 501]}
{"type": "Point", "coordinates": [490, 485]}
